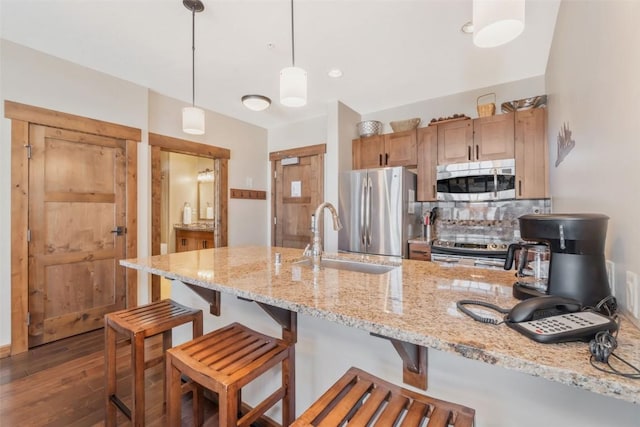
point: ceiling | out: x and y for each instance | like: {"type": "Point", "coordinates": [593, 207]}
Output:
{"type": "Point", "coordinates": [391, 52]}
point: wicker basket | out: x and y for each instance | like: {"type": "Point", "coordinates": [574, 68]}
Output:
{"type": "Point", "coordinates": [403, 125]}
{"type": "Point", "coordinates": [369, 128]}
{"type": "Point", "coordinates": [486, 110]}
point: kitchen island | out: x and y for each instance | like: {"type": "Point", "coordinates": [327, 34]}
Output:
{"type": "Point", "coordinates": [413, 302]}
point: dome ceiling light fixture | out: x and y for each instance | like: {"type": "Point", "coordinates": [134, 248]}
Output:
{"type": "Point", "coordinates": [193, 117]}
{"type": "Point", "coordinates": [256, 102]}
{"type": "Point", "coordinates": [293, 80]}
{"type": "Point", "coordinates": [496, 22]}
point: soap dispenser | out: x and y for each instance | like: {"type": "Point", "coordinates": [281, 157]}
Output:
{"type": "Point", "coordinates": [186, 214]}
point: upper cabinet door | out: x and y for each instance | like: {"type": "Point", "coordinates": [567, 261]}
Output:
{"type": "Point", "coordinates": [532, 154]}
{"type": "Point", "coordinates": [454, 142]}
{"type": "Point", "coordinates": [493, 137]}
{"type": "Point", "coordinates": [427, 157]}
{"type": "Point", "coordinates": [368, 152]}
{"type": "Point", "coordinates": [400, 149]}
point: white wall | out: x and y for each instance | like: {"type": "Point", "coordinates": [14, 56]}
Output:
{"type": "Point", "coordinates": [30, 77]}
{"type": "Point", "coordinates": [248, 166]}
{"type": "Point", "coordinates": [33, 78]}
{"type": "Point", "coordinates": [594, 87]}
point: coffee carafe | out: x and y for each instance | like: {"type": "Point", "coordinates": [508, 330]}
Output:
{"type": "Point", "coordinates": [532, 269]}
{"type": "Point", "coordinates": [576, 256]}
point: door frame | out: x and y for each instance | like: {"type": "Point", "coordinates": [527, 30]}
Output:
{"type": "Point", "coordinates": [160, 143]}
{"type": "Point", "coordinates": [310, 150]}
{"type": "Point", "coordinates": [21, 116]}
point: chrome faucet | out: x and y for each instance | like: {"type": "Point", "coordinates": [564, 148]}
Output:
{"type": "Point", "coordinates": [314, 249]}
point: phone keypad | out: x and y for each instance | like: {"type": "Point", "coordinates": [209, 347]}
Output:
{"type": "Point", "coordinates": [564, 323]}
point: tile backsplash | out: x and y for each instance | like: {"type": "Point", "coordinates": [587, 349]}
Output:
{"type": "Point", "coordinates": [496, 220]}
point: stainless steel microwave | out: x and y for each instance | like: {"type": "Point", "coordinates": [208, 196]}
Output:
{"type": "Point", "coordinates": [477, 181]}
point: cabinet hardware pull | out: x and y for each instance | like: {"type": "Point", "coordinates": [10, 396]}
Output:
{"type": "Point", "coordinates": [434, 191]}
{"type": "Point", "coordinates": [420, 252]}
{"type": "Point", "coordinates": [519, 187]}
{"type": "Point", "coordinates": [380, 159]}
{"type": "Point", "coordinates": [386, 159]}
{"type": "Point", "coordinates": [469, 153]}
{"type": "Point", "coordinates": [184, 242]}
{"type": "Point", "coordinates": [477, 152]}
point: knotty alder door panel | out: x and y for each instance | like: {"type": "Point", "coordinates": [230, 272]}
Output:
{"type": "Point", "coordinates": [298, 193]}
{"type": "Point", "coordinates": [76, 206]}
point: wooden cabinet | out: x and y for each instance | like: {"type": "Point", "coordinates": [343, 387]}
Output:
{"type": "Point", "coordinates": [532, 154]}
{"type": "Point", "coordinates": [454, 141]}
{"type": "Point", "coordinates": [191, 240]}
{"type": "Point", "coordinates": [485, 138]}
{"type": "Point", "coordinates": [493, 137]}
{"type": "Point", "coordinates": [427, 160]}
{"type": "Point", "coordinates": [392, 149]}
{"type": "Point", "coordinates": [420, 251]}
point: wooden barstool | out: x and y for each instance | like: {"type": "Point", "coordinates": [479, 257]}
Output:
{"type": "Point", "coordinates": [137, 324]}
{"type": "Point", "coordinates": [359, 397]}
{"type": "Point", "coordinates": [224, 361]}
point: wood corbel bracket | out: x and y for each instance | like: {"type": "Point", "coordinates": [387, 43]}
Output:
{"type": "Point", "coordinates": [210, 296]}
{"type": "Point", "coordinates": [414, 361]}
{"type": "Point", "coordinates": [287, 319]}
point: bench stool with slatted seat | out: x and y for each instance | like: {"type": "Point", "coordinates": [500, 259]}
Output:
{"type": "Point", "coordinates": [137, 324]}
{"type": "Point", "coordinates": [361, 399]}
{"type": "Point", "coordinates": [224, 361]}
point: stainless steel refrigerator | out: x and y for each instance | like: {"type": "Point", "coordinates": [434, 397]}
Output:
{"type": "Point", "coordinates": [378, 211]}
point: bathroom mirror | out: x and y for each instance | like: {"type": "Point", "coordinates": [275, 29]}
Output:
{"type": "Point", "coordinates": [205, 200]}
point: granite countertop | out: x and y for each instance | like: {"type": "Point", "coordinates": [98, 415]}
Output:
{"type": "Point", "coordinates": [414, 302]}
{"type": "Point", "coordinates": [197, 226]}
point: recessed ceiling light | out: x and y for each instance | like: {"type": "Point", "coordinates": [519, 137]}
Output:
{"type": "Point", "coordinates": [467, 28]}
{"type": "Point", "coordinates": [335, 73]}
{"type": "Point", "coordinates": [256, 102]}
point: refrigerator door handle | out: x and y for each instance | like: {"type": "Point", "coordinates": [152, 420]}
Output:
{"type": "Point", "coordinates": [369, 188]}
{"type": "Point", "coordinates": [363, 201]}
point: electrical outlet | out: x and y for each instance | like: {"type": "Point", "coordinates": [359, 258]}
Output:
{"type": "Point", "coordinates": [611, 276]}
{"type": "Point", "coordinates": [633, 294]}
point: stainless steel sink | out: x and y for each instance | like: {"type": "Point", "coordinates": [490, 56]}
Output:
{"type": "Point", "coordinates": [342, 264]}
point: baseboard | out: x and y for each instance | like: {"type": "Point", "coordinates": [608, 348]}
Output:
{"type": "Point", "coordinates": [5, 351]}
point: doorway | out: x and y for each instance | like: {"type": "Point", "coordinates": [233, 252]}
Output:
{"type": "Point", "coordinates": [297, 189]}
{"type": "Point", "coordinates": [203, 157]}
{"type": "Point", "coordinates": [73, 205]}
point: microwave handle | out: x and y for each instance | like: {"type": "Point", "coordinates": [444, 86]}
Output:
{"type": "Point", "coordinates": [495, 182]}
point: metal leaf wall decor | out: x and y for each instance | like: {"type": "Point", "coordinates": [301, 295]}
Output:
{"type": "Point", "coordinates": [565, 143]}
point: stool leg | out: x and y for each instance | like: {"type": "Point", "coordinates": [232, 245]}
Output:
{"type": "Point", "coordinates": [196, 325]}
{"type": "Point", "coordinates": [110, 374]}
{"type": "Point", "coordinates": [228, 407]}
{"type": "Point", "coordinates": [137, 364]}
{"type": "Point", "coordinates": [167, 340]}
{"type": "Point", "coordinates": [289, 381]}
{"type": "Point", "coordinates": [198, 405]}
{"type": "Point", "coordinates": [174, 393]}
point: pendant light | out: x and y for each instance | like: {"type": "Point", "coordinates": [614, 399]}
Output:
{"type": "Point", "coordinates": [193, 117]}
{"type": "Point", "coordinates": [293, 80]}
{"type": "Point", "coordinates": [496, 22]}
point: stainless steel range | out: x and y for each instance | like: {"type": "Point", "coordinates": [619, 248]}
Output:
{"type": "Point", "coordinates": [479, 252]}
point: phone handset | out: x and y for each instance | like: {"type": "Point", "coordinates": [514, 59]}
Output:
{"type": "Point", "coordinates": [541, 307]}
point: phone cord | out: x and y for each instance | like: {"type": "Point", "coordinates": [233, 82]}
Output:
{"type": "Point", "coordinates": [461, 305]}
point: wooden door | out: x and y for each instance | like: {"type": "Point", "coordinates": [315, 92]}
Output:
{"type": "Point", "coordinates": [368, 152]}
{"type": "Point", "coordinates": [532, 155]}
{"type": "Point", "coordinates": [297, 190]}
{"type": "Point", "coordinates": [77, 192]}
{"type": "Point", "coordinates": [400, 149]}
{"type": "Point", "coordinates": [427, 158]}
{"type": "Point", "coordinates": [454, 142]}
{"type": "Point", "coordinates": [493, 137]}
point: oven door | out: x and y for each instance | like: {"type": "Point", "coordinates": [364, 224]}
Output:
{"type": "Point", "coordinates": [452, 257]}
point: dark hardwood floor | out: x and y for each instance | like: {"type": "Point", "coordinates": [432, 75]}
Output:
{"type": "Point", "coordinates": [62, 384]}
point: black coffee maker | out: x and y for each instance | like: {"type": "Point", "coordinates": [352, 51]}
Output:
{"type": "Point", "coordinates": [577, 264]}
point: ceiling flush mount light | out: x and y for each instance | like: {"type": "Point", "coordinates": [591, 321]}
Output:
{"type": "Point", "coordinates": [293, 80]}
{"type": "Point", "coordinates": [193, 117]}
{"type": "Point", "coordinates": [335, 73]}
{"type": "Point", "coordinates": [497, 22]}
{"type": "Point", "coordinates": [467, 28]}
{"type": "Point", "coordinates": [256, 102]}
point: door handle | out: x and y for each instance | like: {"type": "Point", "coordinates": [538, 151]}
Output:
{"type": "Point", "coordinates": [119, 230]}
{"type": "Point", "coordinates": [368, 219]}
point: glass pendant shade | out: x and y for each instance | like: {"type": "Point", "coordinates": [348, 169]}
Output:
{"type": "Point", "coordinates": [193, 120]}
{"type": "Point", "coordinates": [496, 22]}
{"type": "Point", "coordinates": [293, 87]}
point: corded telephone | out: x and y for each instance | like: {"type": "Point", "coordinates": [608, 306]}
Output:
{"type": "Point", "coordinates": [548, 319]}
{"type": "Point", "coordinates": [552, 319]}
